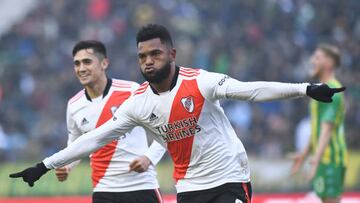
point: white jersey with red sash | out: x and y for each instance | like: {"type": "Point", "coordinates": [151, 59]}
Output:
{"type": "Point", "coordinates": [189, 121]}
{"type": "Point", "coordinates": [110, 164]}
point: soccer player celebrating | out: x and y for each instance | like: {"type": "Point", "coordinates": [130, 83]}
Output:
{"type": "Point", "coordinates": [327, 131]}
{"type": "Point", "coordinates": [180, 108]}
{"type": "Point", "coordinates": [123, 170]}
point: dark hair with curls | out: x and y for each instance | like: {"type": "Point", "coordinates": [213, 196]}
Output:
{"type": "Point", "coordinates": [153, 31]}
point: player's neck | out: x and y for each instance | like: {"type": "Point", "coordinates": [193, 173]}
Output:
{"type": "Point", "coordinates": [165, 85]}
{"type": "Point", "coordinates": [95, 90]}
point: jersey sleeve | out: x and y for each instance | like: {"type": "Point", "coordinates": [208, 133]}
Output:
{"type": "Point", "coordinates": [330, 110]}
{"type": "Point", "coordinates": [72, 129]}
{"type": "Point", "coordinates": [219, 86]}
{"type": "Point", "coordinates": [122, 122]}
{"type": "Point", "coordinates": [155, 152]}
{"type": "Point", "coordinates": [73, 133]}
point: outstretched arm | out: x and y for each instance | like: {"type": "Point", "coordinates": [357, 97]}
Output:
{"type": "Point", "coordinates": [219, 86]}
{"type": "Point", "coordinates": [261, 91]}
{"type": "Point", "coordinates": [81, 147]}
{"type": "Point", "coordinates": [85, 144]}
{"type": "Point", "coordinates": [121, 123]}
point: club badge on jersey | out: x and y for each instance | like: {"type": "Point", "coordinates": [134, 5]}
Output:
{"type": "Point", "coordinates": [188, 103]}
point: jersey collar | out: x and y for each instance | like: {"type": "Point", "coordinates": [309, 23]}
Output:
{"type": "Point", "coordinates": [173, 82]}
{"type": "Point", "coordinates": [105, 92]}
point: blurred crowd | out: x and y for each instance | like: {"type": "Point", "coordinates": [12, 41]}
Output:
{"type": "Point", "coordinates": [249, 40]}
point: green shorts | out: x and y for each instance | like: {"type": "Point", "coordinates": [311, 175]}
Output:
{"type": "Point", "coordinates": [329, 180]}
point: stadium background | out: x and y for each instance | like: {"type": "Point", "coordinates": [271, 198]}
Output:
{"type": "Point", "coordinates": [247, 39]}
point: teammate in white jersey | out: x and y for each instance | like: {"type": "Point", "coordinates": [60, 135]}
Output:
{"type": "Point", "coordinates": [180, 108]}
{"type": "Point", "coordinates": [123, 170]}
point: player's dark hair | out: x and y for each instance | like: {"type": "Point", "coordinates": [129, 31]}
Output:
{"type": "Point", "coordinates": [331, 51]}
{"type": "Point", "coordinates": [153, 31]}
{"type": "Point", "coordinates": [97, 46]}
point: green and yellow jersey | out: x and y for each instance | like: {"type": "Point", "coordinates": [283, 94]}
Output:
{"type": "Point", "coordinates": [336, 152]}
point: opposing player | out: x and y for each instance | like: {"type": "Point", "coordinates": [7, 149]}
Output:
{"type": "Point", "coordinates": [327, 141]}
{"type": "Point", "coordinates": [123, 170]}
{"type": "Point", "coordinates": [180, 107]}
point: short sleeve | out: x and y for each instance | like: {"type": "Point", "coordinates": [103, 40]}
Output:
{"type": "Point", "coordinates": [329, 110]}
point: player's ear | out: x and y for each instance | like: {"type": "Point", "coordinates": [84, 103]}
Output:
{"type": "Point", "coordinates": [105, 63]}
{"type": "Point", "coordinates": [172, 54]}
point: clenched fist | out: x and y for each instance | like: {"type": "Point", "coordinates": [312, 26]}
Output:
{"type": "Point", "coordinates": [140, 164]}
{"type": "Point", "coordinates": [62, 173]}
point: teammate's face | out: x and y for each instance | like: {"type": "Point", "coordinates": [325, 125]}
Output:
{"type": "Point", "coordinates": [89, 67]}
{"type": "Point", "coordinates": [155, 60]}
{"type": "Point", "coordinates": [320, 63]}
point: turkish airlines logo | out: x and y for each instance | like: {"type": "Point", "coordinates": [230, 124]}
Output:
{"type": "Point", "coordinates": [188, 103]}
{"type": "Point", "coordinates": [179, 129]}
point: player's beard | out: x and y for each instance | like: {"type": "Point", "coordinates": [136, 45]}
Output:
{"type": "Point", "coordinates": [316, 72]}
{"type": "Point", "coordinates": [159, 75]}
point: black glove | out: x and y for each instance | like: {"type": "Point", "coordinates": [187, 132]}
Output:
{"type": "Point", "coordinates": [322, 92]}
{"type": "Point", "coordinates": [32, 174]}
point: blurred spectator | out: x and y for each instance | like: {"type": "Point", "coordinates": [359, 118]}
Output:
{"type": "Point", "coordinates": [4, 143]}
{"type": "Point", "coordinates": [302, 134]}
